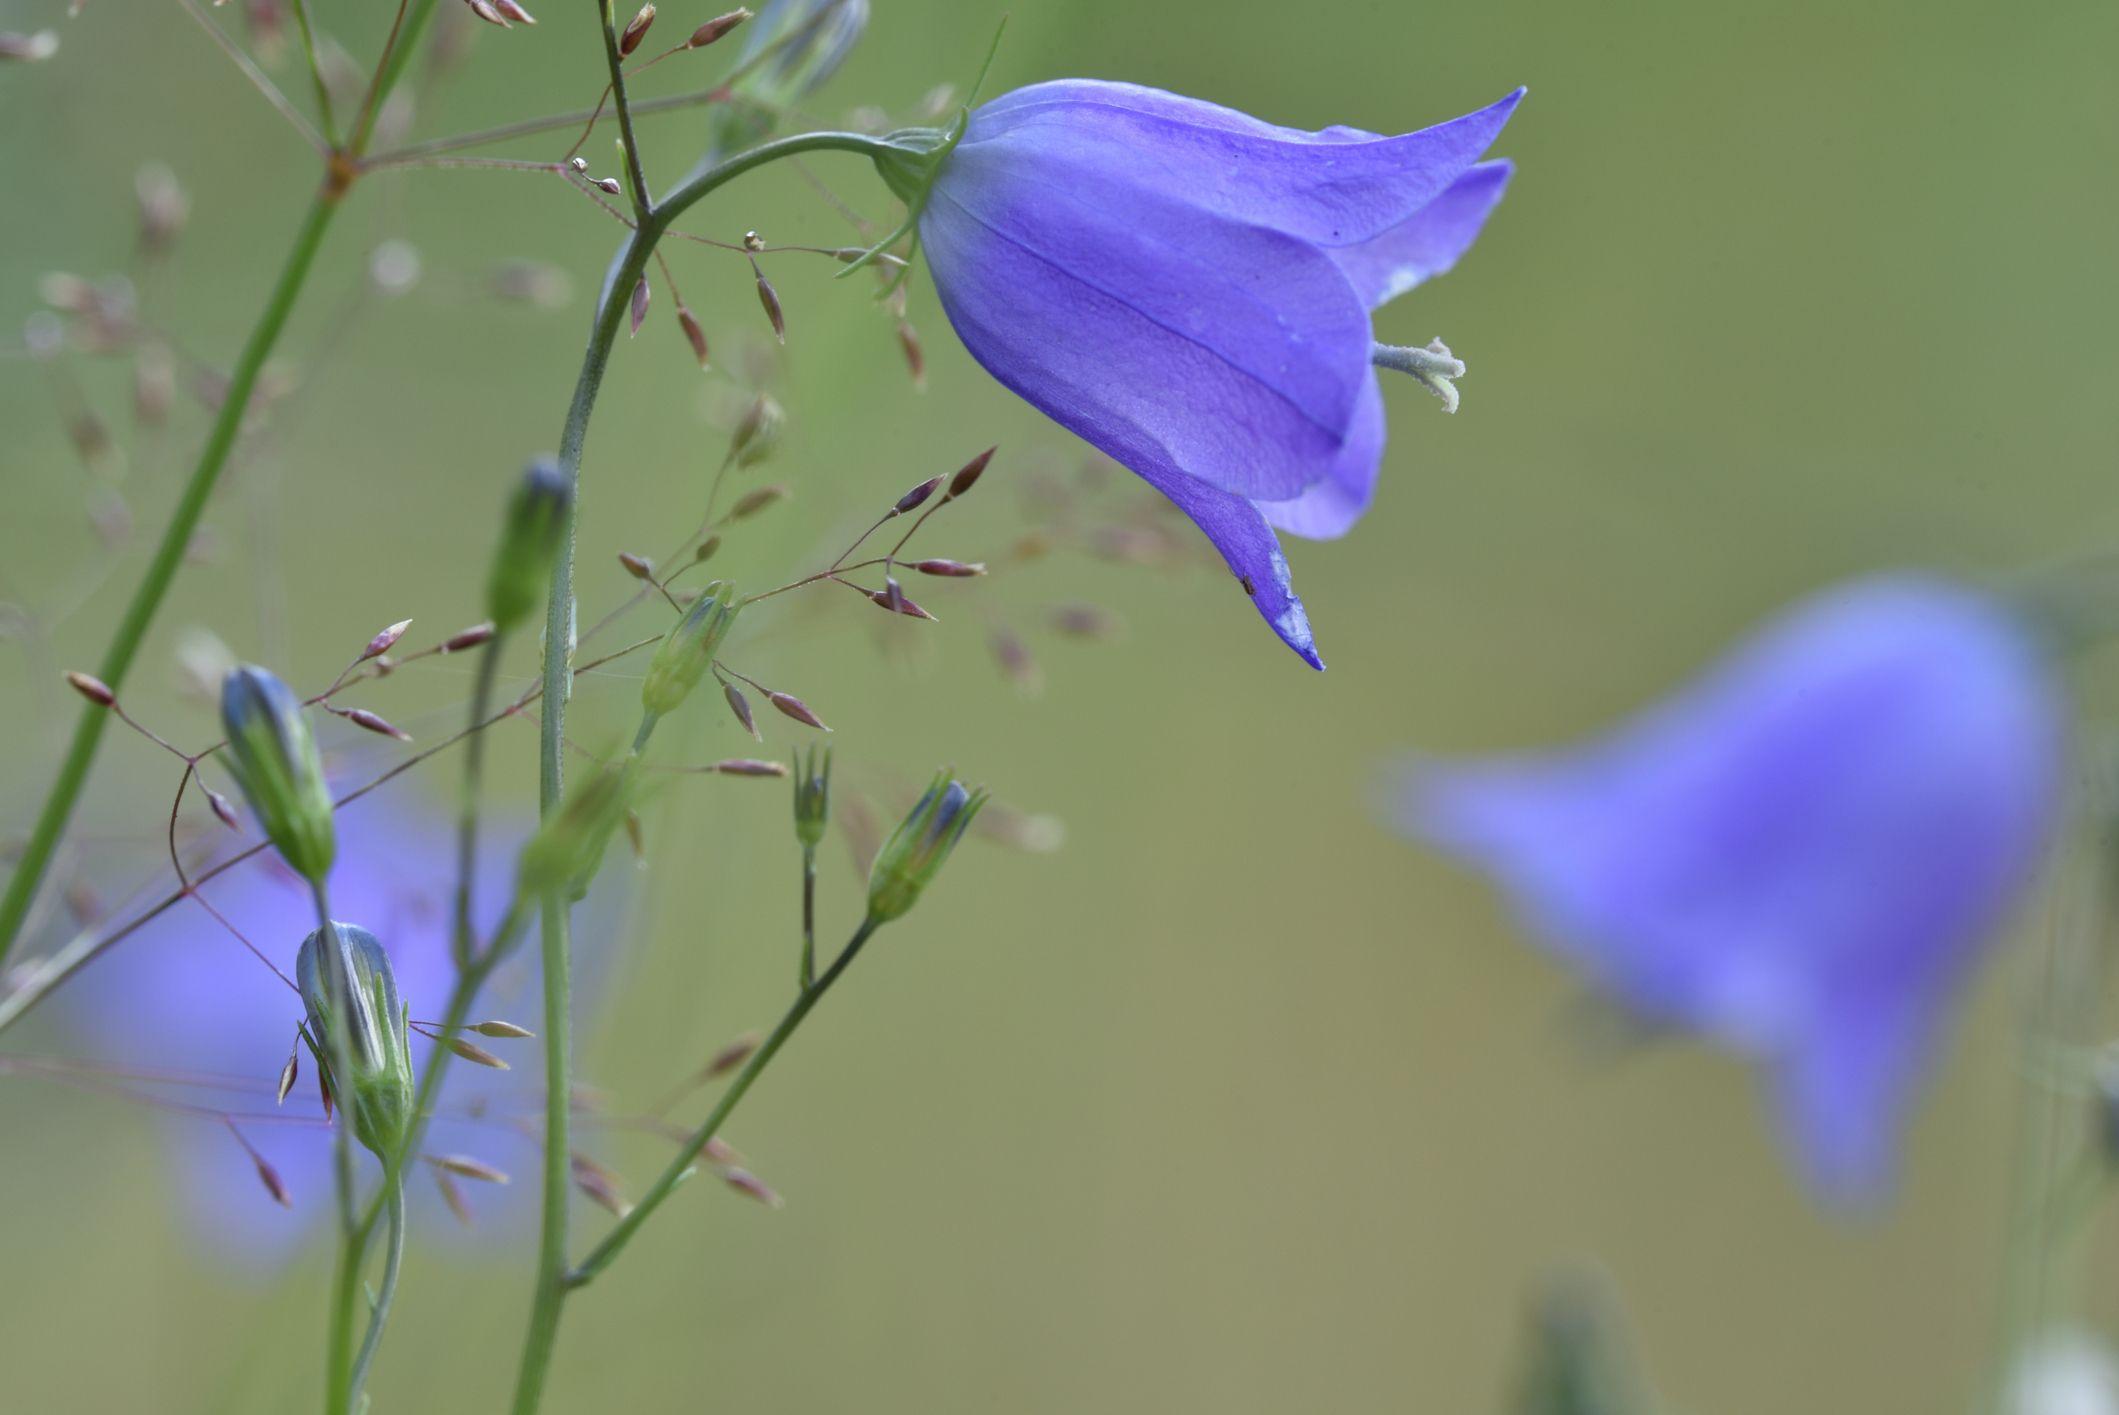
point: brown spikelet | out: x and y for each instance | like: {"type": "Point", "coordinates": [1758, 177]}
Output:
{"type": "Point", "coordinates": [610, 187]}
{"type": "Point", "coordinates": [950, 569]}
{"type": "Point", "coordinates": [494, 1027]}
{"type": "Point", "coordinates": [716, 27]}
{"type": "Point", "coordinates": [706, 550]}
{"type": "Point", "coordinates": [695, 336]}
{"type": "Point", "coordinates": [485, 10]}
{"type": "Point", "coordinates": [28, 48]}
{"type": "Point", "coordinates": [223, 808]}
{"type": "Point", "coordinates": [915, 356]}
{"type": "Point", "coordinates": [509, 10]}
{"type": "Point", "coordinates": [750, 1185]}
{"type": "Point", "coordinates": [640, 292]}
{"type": "Point", "coordinates": [638, 566]}
{"type": "Point", "coordinates": [469, 638]}
{"type": "Point", "coordinates": [1084, 621]}
{"type": "Point", "coordinates": [465, 1167]}
{"type": "Point", "coordinates": [635, 30]}
{"type": "Point", "coordinates": [453, 1196]}
{"type": "Point", "coordinates": [968, 475]}
{"type": "Point", "coordinates": [795, 708]}
{"type": "Point", "coordinates": [892, 597]}
{"type": "Point", "coordinates": [475, 1054]}
{"type": "Point", "coordinates": [92, 688]}
{"type": "Point", "coordinates": [600, 1184]}
{"type": "Point", "coordinates": [739, 704]}
{"type": "Point", "coordinates": [1013, 655]}
{"type": "Point", "coordinates": [770, 299]}
{"type": "Point", "coordinates": [911, 500]}
{"type": "Point", "coordinates": [636, 835]}
{"type": "Point", "coordinates": [731, 1056]}
{"type": "Point", "coordinates": [288, 1073]}
{"type": "Point", "coordinates": [381, 643]}
{"type": "Point", "coordinates": [755, 501]}
{"type": "Point", "coordinates": [270, 1178]}
{"type": "Point", "coordinates": [749, 766]}
{"type": "Point", "coordinates": [361, 717]}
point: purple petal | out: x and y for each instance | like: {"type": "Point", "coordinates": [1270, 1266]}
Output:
{"type": "Point", "coordinates": [1427, 243]}
{"type": "Point", "coordinates": [1338, 187]}
{"type": "Point", "coordinates": [1330, 507]}
{"type": "Point", "coordinates": [1246, 542]}
{"type": "Point", "coordinates": [1151, 328]}
{"type": "Point", "coordinates": [1810, 842]}
{"type": "Point", "coordinates": [1843, 1089]}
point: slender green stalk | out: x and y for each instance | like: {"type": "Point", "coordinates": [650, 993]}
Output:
{"type": "Point", "coordinates": [473, 784]}
{"type": "Point", "coordinates": [394, 1187]}
{"type": "Point", "coordinates": [340, 169]}
{"type": "Point", "coordinates": [162, 569]}
{"type": "Point", "coordinates": [809, 915]}
{"type": "Point", "coordinates": [681, 1167]}
{"type": "Point", "coordinates": [316, 73]}
{"type": "Point", "coordinates": [353, 1234]}
{"type": "Point", "coordinates": [552, 1274]}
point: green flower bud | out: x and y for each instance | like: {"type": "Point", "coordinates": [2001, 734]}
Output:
{"type": "Point", "coordinates": [273, 758]}
{"type": "Point", "coordinates": [344, 967]}
{"type": "Point", "coordinates": [529, 539]}
{"type": "Point", "coordinates": [916, 850]}
{"type": "Point", "coordinates": [757, 436]}
{"type": "Point", "coordinates": [682, 659]}
{"type": "Point", "coordinates": [812, 795]}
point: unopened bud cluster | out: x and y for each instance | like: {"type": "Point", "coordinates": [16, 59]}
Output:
{"type": "Point", "coordinates": [346, 982]}
{"type": "Point", "coordinates": [684, 656]}
{"type": "Point", "coordinates": [274, 760]}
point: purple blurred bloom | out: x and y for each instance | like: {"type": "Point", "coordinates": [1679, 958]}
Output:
{"type": "Point", "coordinates": [1798, 856]}
{"type": "Point", "coordinates": [1189, 290]}
{"type": "Point", "coordinates": [182, 995]}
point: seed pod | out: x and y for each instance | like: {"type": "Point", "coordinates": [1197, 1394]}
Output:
{"type": "Point", "coordinates": [275, 761]}
{"type": "Point", "coordinates": [346, 982]}
{"type": "Point", "coordinates": [530, 538]}
{"type": "Point", "coordinates": [920, 846]}
{"type": "Point", "coordinates": [716, 27]}
{"type": "Point", "coordinates": [682, 658]}
{"type": "Point", "coordinates": [637, 566]}
{"type": "Point", "coordinates": [635, 31]}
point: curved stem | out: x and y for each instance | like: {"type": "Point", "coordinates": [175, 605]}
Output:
{"type": "Point", "coordinates": [680, 1168]}
{"type": "Point", "coordinates": [393, 1260]}
{"type": "Point", "coordinates": [552, 1276]}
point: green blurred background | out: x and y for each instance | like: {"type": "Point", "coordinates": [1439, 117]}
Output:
{"type": "Point", "coordinates": [1236, 1102]}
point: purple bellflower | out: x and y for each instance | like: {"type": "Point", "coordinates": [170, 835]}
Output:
{"type": "Point", "coordinates": [1189, 290]}
{"type": "Point", "coordinates": [1799, 856]}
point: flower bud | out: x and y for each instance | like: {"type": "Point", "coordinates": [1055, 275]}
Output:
{"type": "Point", "coordinates": [564, 854]}
{"type": "Point", "coordinates": [346, 981]}
{"type": "Point", "coordinates": [812, 795]}
{"type": "Point", "coordinates": [274, 760]}
{"type": "Point", "coordinates": [916, 850]}
{"type": "Point", "coordinates": [682, 659]}
{"type": "Point", "coordinates": [537, 516]}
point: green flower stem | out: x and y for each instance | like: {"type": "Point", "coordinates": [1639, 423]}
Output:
{"type": "Point", "coordinates": [394, 1188]}
{"type": "Point", "coordinates": [809, 915]}
{"type": "Point", "coordinates": [682, 1166]}
{"type": "Point", "coordinates": [340, 171]}
{"type": "Point", "coordinates": [353, 1234]}
{"type": "Point", "coordinates": [473, 784]}
{"type": "Point", "coordinates": [552, 1274]}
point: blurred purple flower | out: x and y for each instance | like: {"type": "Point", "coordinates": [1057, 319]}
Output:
{"type": "Point", "coordinates": [184, 996]}
{"type": "Point", "coordinates": [1798, 856]}
{"type": "Point", "coordinates": [1189, 290]}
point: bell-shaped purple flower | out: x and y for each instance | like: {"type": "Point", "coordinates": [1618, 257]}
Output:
{"type": "Point", "coordinates": [1798, 856]}
{"type": "Point", "coordinates": [1189, 290]}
